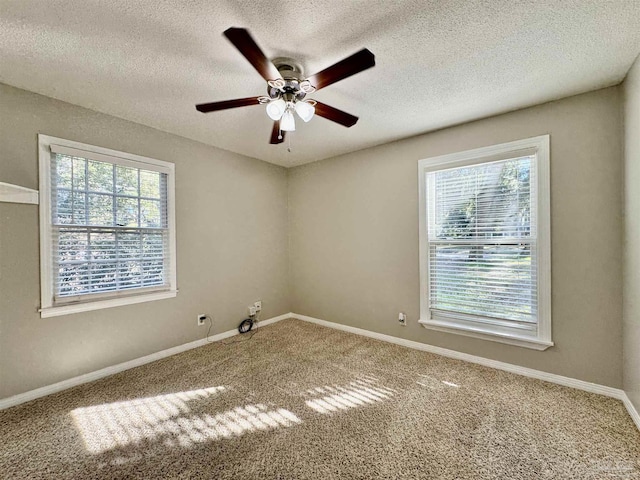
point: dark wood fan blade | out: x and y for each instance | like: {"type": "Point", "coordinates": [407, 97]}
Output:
{"type": "Point", "coordinates": [238, 102]}
{"type": "Point", "coordinates": [356, 63]}
{"type": "Point", "coordinates": [335, 115]}
{"type": "Point", "coordinates": [242, 40]}
{"type": "Point", "coordinates": [276, 135]}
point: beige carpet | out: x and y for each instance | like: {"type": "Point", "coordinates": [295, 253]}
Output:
{"type": "Point", "coordinates": [299, 401]}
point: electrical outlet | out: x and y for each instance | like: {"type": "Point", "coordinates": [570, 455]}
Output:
{"type": "Point", "coordinates": [252, 310]}
{"type": "Point", "coordinates": [202, 317]}
{"type": "Point", "coordinates": [402, 319]}
{"type": "Point", "coordinates": [258, 305]}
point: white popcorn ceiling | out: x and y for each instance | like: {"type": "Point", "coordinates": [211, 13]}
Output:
{"type": "Point", "coordinates": [439, 63]}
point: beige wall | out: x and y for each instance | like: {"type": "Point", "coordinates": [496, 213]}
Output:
{"type": "Point", "coordinates": [631, 327]}
{"type": "Point", "coordinates": [354, 235]}
{"type": "Point", "coordinates": [231, 214]}
{"type": "Point", "coordinates": [349, 252]}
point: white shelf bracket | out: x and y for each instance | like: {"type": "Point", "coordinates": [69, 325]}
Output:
{"type": "Point", "coordinates": [15, 194]}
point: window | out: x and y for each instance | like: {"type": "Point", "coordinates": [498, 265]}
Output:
{"type": "Point", "coordinates": [107, 235]}
{"type": "Point", "coordinates": [484, 243]}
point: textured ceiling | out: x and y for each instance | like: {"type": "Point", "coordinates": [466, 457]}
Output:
{"type": "Point", "coordinates": [439, 63]}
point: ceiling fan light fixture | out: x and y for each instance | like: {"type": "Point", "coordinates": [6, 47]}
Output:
{"type": "Point", "coordinates": [278, 83]}
{"type": "Point", "coordinates": [276, 109]}
{"type": "Point", "coordinates": [306, 87]}
{"type": "Point", "coordinates": [287, 87]}
{"type": "Point", "coordinates": [288, 123]}
{"type": "Point", "coordinates": [305, 111]}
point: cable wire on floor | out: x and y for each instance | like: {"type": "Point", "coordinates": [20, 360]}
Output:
{"type": "Point", "coordinates": [239, 339]}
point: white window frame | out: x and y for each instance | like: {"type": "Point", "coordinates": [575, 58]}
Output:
{"type": "Point", "coordinates": [47, 307]}
{"type": "Point", "coordinates": [540, 339]}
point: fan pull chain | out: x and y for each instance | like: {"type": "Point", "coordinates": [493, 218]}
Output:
{"type": "Point", "coordinates": [289, 140]}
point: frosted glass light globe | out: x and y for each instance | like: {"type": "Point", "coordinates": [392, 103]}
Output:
{"type": "Point", "coordinates": [305, 110]}
{"type": "Point", "coordinates": [288, 123]}
{"type": "Point", "coordinates": [276, 108]}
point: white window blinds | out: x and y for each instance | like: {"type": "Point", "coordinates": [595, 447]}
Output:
{"type": "Point", "coordinates": [482, 242]}
{"type": "Point", "coordinates": [109, 226]}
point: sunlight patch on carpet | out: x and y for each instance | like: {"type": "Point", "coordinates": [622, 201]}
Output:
{"type": "Point", "coordinates": [167, 419]}
{"type": "Point", "coordinates": [433, 383]}
{"type": "Point", "coordinates": [330, 399]}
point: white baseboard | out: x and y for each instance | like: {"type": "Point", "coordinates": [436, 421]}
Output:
{"type": "Point", "coordinates": [271, 320]}
{"type": "Point", "coordinates": [507, 367]}
{"type": "Point", "coordinates": [635, 416]}
{"type": "Point", "coordinates": [105, 372]}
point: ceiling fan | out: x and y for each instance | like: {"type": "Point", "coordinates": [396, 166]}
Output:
{"type": "Point", "coordinates": [287, 86]}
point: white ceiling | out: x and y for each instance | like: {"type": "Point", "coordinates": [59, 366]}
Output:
{"type": "Point", "coordinates": [439, 63]}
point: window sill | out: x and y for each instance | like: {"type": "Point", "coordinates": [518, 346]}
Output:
{"type": "Point", "coordinates": [100, 304]}
{"type": "Point", "coordinates": [487, 334]}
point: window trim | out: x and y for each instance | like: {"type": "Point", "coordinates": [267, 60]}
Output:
{"type": "Point", "coordinates": [47, 308]}
{"type": "Point", "coordinates": [539, 145]}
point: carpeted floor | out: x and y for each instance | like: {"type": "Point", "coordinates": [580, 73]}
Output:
{"type": "Point", "coordinates": [299, 401]}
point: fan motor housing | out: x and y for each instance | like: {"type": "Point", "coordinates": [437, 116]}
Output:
{"type": "Point", "coordinates": [288, 68]}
